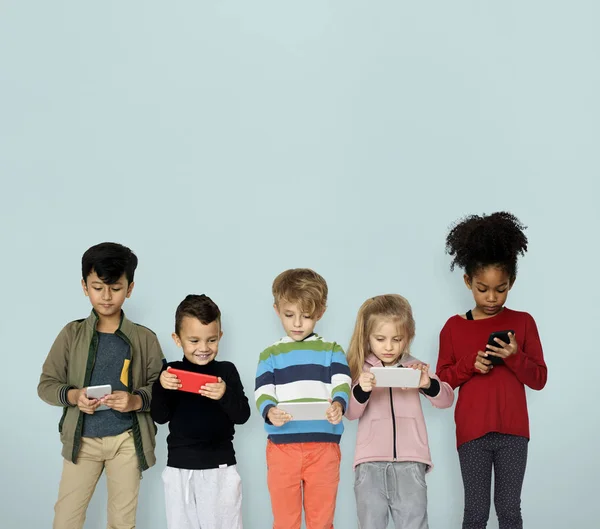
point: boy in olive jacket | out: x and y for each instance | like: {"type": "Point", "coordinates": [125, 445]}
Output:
{"type": "Point", "coordinates": [115, 432]}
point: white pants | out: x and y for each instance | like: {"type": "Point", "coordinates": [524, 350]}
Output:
{"type": "Point", "coordinates": [203, 499]}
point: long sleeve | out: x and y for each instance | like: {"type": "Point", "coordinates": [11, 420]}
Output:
{"type": "Point", "coordinates": [162, 403]}
{"type": "Point", "coordinates": [528, 363]}
{"type": "Point", "coordinates": [53, 386]}
{"type": "Point", "coordinates": [357, 404]}
{"type": "Point", "coordinates": [154, 365]}
{"type": "Point", "coordinates": [449, 370]}
{"type": "Point", "coordinates": [444, 397]}
{"type": "Point", "coordinates": [264, 392]}
{"type": "Point", "coordinates": [340, 378]}
{"type": "Point", "coordinates": [234, 402]}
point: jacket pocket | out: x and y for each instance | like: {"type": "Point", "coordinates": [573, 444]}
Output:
{"type": "Point", "coordinates": [365, 435]}
{"type": "Point", "coordinates": [409, 441]}
{"type": "Point", "coordinates": [125, 373]}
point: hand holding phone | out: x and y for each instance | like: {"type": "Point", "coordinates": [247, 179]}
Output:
{"type": "Point", "coordinates": [367, 381]}
{"type": "Point", "coordinates": [78, 397]}
{"type": "Point", "coordinates": [169, 380]}
{"type": "Point", "coordinates": [98, 393]}
{"type": "Point", "coordinates": [482, 363]}
{"type": "Point", "coordinates": [192, 382]}
{"type": "Point", "coordinates": [498, 351]}
{"type": "Point", "coordinates": [278, 417]}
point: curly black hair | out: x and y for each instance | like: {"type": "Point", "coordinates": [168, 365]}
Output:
{"type": "Point", "coordinates": [476, 241]}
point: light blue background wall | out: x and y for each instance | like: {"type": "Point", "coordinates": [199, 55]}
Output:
{"type": "Point", "coordinates": [226, 141]}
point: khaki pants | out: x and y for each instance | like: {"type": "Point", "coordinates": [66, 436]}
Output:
{"type": "Point", "coordinates": [117, 455]}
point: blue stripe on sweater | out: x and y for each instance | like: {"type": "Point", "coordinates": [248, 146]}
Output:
{"type": "Point", "coordinates": [300, 357]}
{"type": "Point", "coordinates": [304, 427]}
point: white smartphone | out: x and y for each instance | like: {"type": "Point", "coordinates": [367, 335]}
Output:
{"type": "Point", "coordinates": [396, 377]}
{"type": "Point", "coordinates": [306, 411]}
{"type": "Point", "coordinates": [97, 392]}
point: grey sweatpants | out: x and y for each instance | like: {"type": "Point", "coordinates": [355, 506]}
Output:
{"type": "Point", "coordinates": [203, 499]}
{"type": "Point", "coordinates": [382, 488]}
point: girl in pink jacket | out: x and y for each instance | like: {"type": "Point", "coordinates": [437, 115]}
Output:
{"type": "Point", "coordinates": [392, 452]}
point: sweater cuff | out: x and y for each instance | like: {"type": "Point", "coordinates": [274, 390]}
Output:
{"type": "Point", "coordinates": [360, 395]}
{"type": "Point", "coordinates": [342, 403]}
{"type": "Point", "coordinates": [145, 400]}
{"type": "Point", "coordinates": [433, 390]}
{"type": "Point", "coordinates": [62, 396]}
{"type": "Point", "coordinates": [266, 412]}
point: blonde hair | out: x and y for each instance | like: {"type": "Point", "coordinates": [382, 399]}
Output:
{"type": "Point", "coordinates": [303, 287]}
{"type": "Point", "coordinates": [389, 306]}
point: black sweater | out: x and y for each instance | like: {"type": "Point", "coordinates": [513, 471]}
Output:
{"type": "Point", "coordinates": [201, 429]}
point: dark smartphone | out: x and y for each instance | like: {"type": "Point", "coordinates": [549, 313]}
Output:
{"type": "Point", "coordinates": [502, 335]}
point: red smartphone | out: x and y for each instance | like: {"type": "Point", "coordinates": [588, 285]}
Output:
{"type": "Point", "coordinates": [192, 382]}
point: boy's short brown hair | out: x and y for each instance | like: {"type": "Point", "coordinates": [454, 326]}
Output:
{"type": "Point", "coordinates": [304, 287]}
{"type": "Point", "coordinates": [197, 306]}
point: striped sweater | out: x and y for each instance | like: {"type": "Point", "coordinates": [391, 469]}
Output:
{"type": "Point", "coordinates": [307, 371]}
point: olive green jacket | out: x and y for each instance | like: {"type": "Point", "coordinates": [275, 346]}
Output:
{"type": "Point", "coordinates": [69, 365]}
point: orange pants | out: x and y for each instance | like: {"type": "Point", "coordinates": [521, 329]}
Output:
{"type": "Point", "coordinates": [312, 468]}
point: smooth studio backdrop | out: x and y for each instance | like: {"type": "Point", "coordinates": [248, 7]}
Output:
{"type": "Point", "coordinates": [227, 141]}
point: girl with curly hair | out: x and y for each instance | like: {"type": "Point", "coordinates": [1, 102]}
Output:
{"type": "Point", "coordinates": [492, 424]}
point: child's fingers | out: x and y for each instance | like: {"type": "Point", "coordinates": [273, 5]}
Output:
{"type": "Point", "coordinates": [214, 386]}
{"type": "Point", "coordinates": [211, 392]}
{"type": "Point", "coordinates": [484, 368]}
{"type": "Point", "coordinates": [280, 417]}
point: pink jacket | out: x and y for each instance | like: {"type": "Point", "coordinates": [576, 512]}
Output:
{"type": "Point", "coordinates": [394, 416]}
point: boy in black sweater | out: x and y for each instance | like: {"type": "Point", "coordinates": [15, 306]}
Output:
{"type": "Point", "coordinates": [202, 486]}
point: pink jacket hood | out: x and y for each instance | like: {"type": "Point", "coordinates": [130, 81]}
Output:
{"type": "Point", "coordinates": [394, 414]}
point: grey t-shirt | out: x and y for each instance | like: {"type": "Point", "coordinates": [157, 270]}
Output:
{"type": "Point", "coordinates": [110, 367]}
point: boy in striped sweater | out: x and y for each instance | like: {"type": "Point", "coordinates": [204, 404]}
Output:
{"type": "Point", "coordinates": [303, 457]}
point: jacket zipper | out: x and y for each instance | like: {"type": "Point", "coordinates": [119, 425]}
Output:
{"type": "Point", "coordinates": [393, 422]}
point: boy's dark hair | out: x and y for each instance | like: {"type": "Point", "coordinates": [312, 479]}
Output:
{"type": "Point", "coordinates": [476, 242]}
{"type": "Point", "coordinates": [110, 261]}
{"type": "Point", "coordinates": [197, 306]}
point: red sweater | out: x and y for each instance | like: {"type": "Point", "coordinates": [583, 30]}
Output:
{"type": "Point", "coordinates": [494, 402]}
